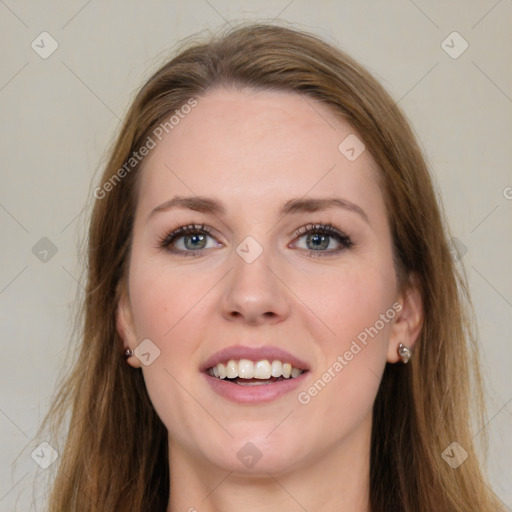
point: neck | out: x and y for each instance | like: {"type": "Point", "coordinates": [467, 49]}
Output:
{"type": "Point", "coordinates": [335, 480]}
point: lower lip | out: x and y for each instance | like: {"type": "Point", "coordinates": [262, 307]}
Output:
{"type": "Point", "coordinates": [254, 394]}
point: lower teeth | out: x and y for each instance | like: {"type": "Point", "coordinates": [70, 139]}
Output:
{"type": "Point", "coordinates": [254, 382]}
{"type": "Point", "coordinates": [263, 382]}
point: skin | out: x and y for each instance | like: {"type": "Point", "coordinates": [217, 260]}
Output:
{"type": "Point", "coordinates": [264, 148]}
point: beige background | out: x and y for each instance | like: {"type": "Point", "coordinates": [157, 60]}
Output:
{"type": "Point", "coordinates": [59, 114]}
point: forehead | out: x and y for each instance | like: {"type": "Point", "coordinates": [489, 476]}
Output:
{"type": "Point", "coordinates": [257, 145]}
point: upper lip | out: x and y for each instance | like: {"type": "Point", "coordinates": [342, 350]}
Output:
{"type": "Point", "coordinates": [238, 352]}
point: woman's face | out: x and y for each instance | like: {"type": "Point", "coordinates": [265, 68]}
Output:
{"type": "Point", "coordinates": [287, 257]}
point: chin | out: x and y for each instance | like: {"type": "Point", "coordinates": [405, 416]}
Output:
{"type": "Point", "coordinates": [257, 453]}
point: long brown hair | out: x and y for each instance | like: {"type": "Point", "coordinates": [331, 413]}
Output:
{"type": "Point", "coordinates": [115, 452]}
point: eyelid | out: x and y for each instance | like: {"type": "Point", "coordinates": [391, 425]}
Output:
{"type": "Point", "coordinates": [344, 240]}
{"type": "Point", "coordinates": [166, 241]}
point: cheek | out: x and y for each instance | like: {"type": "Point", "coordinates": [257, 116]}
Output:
{"type": "Point", "coordinates": [166, 308]}
{"type": "Point", "coordinates": [162, 297]}
{"type": "Point", "coordinates": [355, 307]}
{"type": "Point", "coordinates": [349, 300]}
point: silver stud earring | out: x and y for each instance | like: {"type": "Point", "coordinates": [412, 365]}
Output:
{"type": "Point", "coordinates": [404, 352]}
{"type": "Point", "coordinates": [128, 353]}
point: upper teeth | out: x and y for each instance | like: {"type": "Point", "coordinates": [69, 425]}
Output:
{"type": "Point", "coordinates": [246, 369]}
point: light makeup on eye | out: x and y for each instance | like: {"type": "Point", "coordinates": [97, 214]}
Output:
{"type": "Point", "coordinates": [194, 239]}
{"type": "Point", "coordinates": [189, 240]}
{"type": "Point", "coordinates": [321, 236]}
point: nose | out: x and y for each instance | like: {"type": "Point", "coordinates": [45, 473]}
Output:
{"type": "Point", "coordinates": [254, 293]}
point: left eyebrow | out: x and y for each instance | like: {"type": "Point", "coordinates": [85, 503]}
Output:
{"type": "Point", "coordinates": [300, 205]}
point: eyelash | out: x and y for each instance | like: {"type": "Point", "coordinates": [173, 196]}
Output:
{"type": "Point", "coordinates": [166, 241]}
{"type": "Point", "coordinates": [322, 229]}
{"type": "Point", "coordinates": [325, 229]}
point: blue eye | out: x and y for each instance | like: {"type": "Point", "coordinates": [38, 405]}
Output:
{"type": "Point", "coordinates": [190, 239]}
{"type": "Point", "coordinates": [322, 239]}
{"type": "Point", "coordinates": [317, 239]}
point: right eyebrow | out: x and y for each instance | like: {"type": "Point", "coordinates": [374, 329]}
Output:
{"type": "Point", "coordinates": [197, 203]}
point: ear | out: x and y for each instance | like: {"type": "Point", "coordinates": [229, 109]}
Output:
{"type": "Point", "coordinates": [409, 320]}
{"type": "Point", "coordinates": [125, 327]}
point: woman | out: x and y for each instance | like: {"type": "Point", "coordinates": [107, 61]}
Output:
{"type": "Point", "coordinates": [273, 320]}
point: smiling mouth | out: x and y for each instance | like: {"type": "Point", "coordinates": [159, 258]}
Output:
{"type": "Point", "coordinates": [245, 372]}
